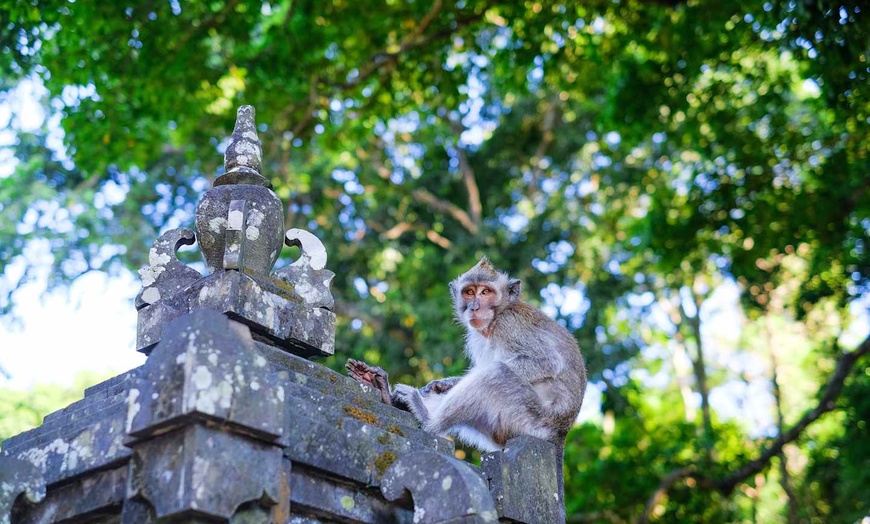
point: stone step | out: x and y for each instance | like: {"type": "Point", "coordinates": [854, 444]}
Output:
{"type": "Point", "coordinates": [87, 443]}
{"type": "Point", "coordinates": [73, 418]}
{"type": "Point", "coordinates": [351, 449]}
{"type": "Point", "coordinates": [353, 393]}
{"type": "Point", "coordinates": [299, 399]}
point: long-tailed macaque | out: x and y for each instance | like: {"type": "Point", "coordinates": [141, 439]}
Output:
{"type": "Point", "coordinates": [527, 375]}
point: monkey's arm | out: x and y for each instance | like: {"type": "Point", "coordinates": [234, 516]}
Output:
{"type": "Point", "coordinates": [538, 353]}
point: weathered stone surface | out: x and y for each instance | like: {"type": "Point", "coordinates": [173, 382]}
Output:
{"type": "Point", "coordinates": [97, 498]}
{"type": "Point", "coordinates": [262, 225]}
{"type": "Point", "coordinates": [523, 480]}
{"type": "Point", "coordinates": [270, 311]}
{"type": "Point", "coordinates": [206, 367]}
{"type": "Point", "coordinates": [342, 413]}
{"type": "Point", "coordinates": [18, 478]}
{"type": "Point", "coordinates": [443, 489]}
{"type": "Point", "coordinates": [204, 471]}
{"type": "Point", "coordinates": [152, 319]}
{"type": "Point", "coordinates": [137, 511]}
{"type": "Point", "coordinates": [240, 221]}
{"type": "Point", "coordinates": [308, 275]}
{"type": "Point", "coordinates": [165, 276]}
{"type": "Point", "coordinates": [77, 443]}
{"type": "Point", "coordinates": [243, 156]}
{"type": "Point", "coordinates": [335, 387]}
{"type": "Point", "coordinates": [313, 494]}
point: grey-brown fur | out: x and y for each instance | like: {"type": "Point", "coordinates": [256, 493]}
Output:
{"type": "Point", "coordinates": [527, 375]}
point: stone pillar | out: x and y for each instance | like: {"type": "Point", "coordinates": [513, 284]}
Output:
{"type": "Point", "coordinates": [524, 481]}
{"type": "Point", "coordinates": [444, 490]}
{"type": "Point", "coordinates": [204, 421]}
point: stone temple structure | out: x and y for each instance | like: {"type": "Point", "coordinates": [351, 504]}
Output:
{"type": "Point", "coordinates": [230, 421]}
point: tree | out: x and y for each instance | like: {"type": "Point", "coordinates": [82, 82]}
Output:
{"type": "Point", "coordinates": [625, 159]}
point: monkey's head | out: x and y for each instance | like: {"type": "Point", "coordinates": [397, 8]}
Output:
{"type": "Point", "coordinates": [481, 293]}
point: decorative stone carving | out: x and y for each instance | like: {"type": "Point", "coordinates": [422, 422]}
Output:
{"type": "Point", "coordinates": [240, 230]}
{"type": "Point", "coordinates": [524, 482]}
{"type": "Point", "coordinates": [204, 418]}
{"type": "Point", "coordinates": [308, 273]}
{"type": "Point", "coordinates": [18, 478]}
{"type": "Point", "coordinates": [164, 276]}
{"type": "Point", "coordinates": [444, 489]}
{"type": "Point", "coordinates": [204, 471]}
{"type": "Point", "coordinates": [206, 368]}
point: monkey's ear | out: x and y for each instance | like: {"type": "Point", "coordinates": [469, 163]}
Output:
{"type": "Point", "coordinates": [452, 286]}
{"type": "Point", "coordinates": [514, 288]}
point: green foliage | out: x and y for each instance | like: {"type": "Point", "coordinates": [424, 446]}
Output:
{"type": "Point", "coordinates": [839, 470]}
{"type": "Point", "coordinates": [640, 155]}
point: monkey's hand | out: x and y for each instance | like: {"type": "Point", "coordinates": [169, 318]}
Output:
{"type": "Point", "coordinates": [411, 397]}
{"type": "Point", "coordinates": [437, 387]}
{"type": "Point", "coordinates": [372, 376]}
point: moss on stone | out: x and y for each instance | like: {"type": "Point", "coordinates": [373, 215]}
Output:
{"type": "Point", "coordinates": [383, 461]}
{"type": "Point", "coordinates": [360, 414]}
{"type": "Point", "coordinates": [396, 430]}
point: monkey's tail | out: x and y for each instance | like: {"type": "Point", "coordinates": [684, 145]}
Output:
{"type": "Point", "coordinates": [560, 469]}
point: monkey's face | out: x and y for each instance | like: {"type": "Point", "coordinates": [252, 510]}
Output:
{"type": "Point", "coordinates": [479, 302]}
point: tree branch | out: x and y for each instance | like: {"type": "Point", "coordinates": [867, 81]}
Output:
{"type": "Point", "coordinates": [664, 486]}
{"type": "Point", "coordinates": [383, 62]}
{"type": "Point", "coordinates": [474, 205]}
{"type": "Point", "coordinates": [442, 205]}
{"type": "Point", "coordinates": [827, 401]}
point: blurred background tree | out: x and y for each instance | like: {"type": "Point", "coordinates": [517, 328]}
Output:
{"type": "Point", "coordinates": [682, 183]}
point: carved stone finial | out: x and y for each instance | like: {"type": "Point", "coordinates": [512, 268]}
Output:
{"type": "Point", "coordinates": [240, 231]}
{"type": "Point", "coordinates": [243, 157]}
{"type": "Point", "coordinates": [240, 221]}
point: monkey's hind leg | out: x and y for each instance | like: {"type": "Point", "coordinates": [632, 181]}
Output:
{"type": "Point", "coordinates": [372, 376]}
{"type": "Point", "coordinates": [495, 402]}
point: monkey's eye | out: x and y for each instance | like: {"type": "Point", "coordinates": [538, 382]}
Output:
{"type": "Point", "coordinates": [469, 292]}
{"type": "Point", "coordinates": [485, 291]}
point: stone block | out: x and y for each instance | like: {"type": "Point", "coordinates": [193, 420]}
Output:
{"type": "Point", "coordinates": [205, 368]}
{"type": "Point", "coordinates": [524, 482]}
{"type": "Point", "coordinates": [443, 489]}
{"type": "Point", "coordinates": [85, 499]}
{"type": "Point", "coordinates": [19, 479]}
{"type": "Point", "coordinates": [204, 472]}
{"type": "Point", "coordinates": [317, 495]}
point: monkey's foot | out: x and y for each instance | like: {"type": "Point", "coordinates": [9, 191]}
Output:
{"type": "Point", "coordinates": [372, 376]}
